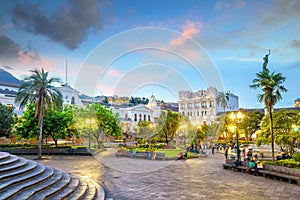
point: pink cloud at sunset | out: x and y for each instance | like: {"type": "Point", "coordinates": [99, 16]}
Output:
{"type": "Point", "coordinates": [189, 30]}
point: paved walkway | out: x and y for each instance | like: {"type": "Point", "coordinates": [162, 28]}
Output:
{"type": "Point", "coordinates": [203, 178]}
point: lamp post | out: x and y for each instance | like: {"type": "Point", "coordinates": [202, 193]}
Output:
{"type": "Point", "coordinates": [90, 122]}
{"type": "Point", "coordinates": [237, 118]}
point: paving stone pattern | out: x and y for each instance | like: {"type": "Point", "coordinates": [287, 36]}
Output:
{"type": "Point", "coordinates": [201, 178]}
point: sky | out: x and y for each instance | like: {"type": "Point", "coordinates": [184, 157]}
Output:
{"type": "Point", "coordinates": [140, 48]}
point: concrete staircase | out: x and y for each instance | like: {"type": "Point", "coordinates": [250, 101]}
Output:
{"type": "Point", "coordinates": [25, 179]}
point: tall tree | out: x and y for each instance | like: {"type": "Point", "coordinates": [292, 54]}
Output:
{"type": "Point", "coordinates": [169, 123]}
{"type": "Point", "coordinates": [59, 124]}
{"type": "Point", "coordinates": [6, 119]}
{"type": "Point", "coordinates": [38, 88]}
{"type": "Point", "coordinates": [286, 124]}
{"type": "Point", "coordinates": [271, 84]}
{"type": "Point", "coordinates": [222, 100]}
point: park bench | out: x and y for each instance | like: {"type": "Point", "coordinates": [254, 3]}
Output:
{"type": "Point", "coordinates": [269, 171]}
{"type": "Point", "coordinates": [145, 155]}
{"type": "Point", "coordinates": [282, 173]}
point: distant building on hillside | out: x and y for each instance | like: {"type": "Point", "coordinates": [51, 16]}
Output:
{"type": "Point", "coordinates": [297, 102]}
{"type": "Point", "coordinates": [201, 106]}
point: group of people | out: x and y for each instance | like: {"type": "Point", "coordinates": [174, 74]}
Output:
{"type": "Point", "coordinates": [255, 164]}
{"type": "Point", "coordinates": [182, 156]}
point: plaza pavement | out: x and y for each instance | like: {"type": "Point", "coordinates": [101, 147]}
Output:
{"type": "Point", "coordinates": [201, 178]}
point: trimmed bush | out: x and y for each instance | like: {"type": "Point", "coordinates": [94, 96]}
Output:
{"type": "Point", "coordinates": [296, 156]}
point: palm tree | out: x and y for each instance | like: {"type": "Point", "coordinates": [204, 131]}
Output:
{"type": "Point", "coordinates": [222, 99]}
{"type": "Point", "coordinates": [272, 86]}
{"type": "Point", "coordinates": [38, 89]}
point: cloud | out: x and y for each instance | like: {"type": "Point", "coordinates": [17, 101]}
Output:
{"type": "Point", "coordinates": [189, 30]}
{"type": "Point", "coordinates": [295, 44]}
{"type": "Point", "coordinates": [230, 4]}
{"type": "Point", "coordinates": [69, 25]}
{"type": "Point", "coordinates": [8, 48]}
{"type": "Point", "coordinates": [10, 51]}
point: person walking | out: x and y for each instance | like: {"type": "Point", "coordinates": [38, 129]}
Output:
{"type": "Point", "coordinates": [226, 153]}
{"type": "Point", "coordinates": [213, 150]}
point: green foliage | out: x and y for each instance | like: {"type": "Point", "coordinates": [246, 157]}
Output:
{"type": "Point", "coordinates": [97, 120]}
{"type": "Point", "coordinates": [6, 119]}
{"type": "Point", "coordinates": [291, 163]}
{"type": "Point", "coordinates": [146, 129]}
{"type": "Point", "coordinates": [272, 86]}
{"type": "Point", "coordinates": [106, 121]}
{"type": "Point", "coordinates": [26, 126]}
{"type": "Point", "coordinates": [222, 99]}
{"type": "Point", "coordinates": [168, 124]}
{"type": "Point", "coordinates": [251, 123]}
{"type": "Point", "coordinates": [296, 156]}
{"type": "Point", "coordinates": [285, 135]}
{"type": "Point", "coordinates": [57, 123]}
{"type": "Point", "coordinates": [38, 89]}
{"type": "Point", "coordinates": [138, 100]}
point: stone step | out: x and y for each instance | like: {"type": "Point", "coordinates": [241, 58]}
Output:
{"type": "Point", "coordinates": [80, 191]}
{"type": "Point", "coordinates": [16, 166]}
{"type": "Point", "coordinates": [4, 156]}
{"type": "Point", "coordinates": [12, 159]}
{"type": "Point", "coordinates": [39, 169]}
{"type": "Point", "coordinates": [25, 179]}
{"type": "Point", "coordinates": [54, 189]}
{"type": "Point", "coordinates": [100, 194]}
{"type": "Point", "coordinates": [13, 173]}
{"type": "Point", "coordinates": [30, 192]}
{"type": "Point", "coordinates": [69, 190]}
{"type": "Point", "coordinates": [92, 190]}
{"type": "Point", "coordinates": [14, 190]}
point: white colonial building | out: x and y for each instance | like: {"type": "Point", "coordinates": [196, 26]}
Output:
{"type": "Point", "coordinates": [8, 92]}
{"type": "Point", "coordinates": [201, 106]}
{"type": "Point", "coordinates": [131, 116]}
{"type": "Point", "coordinates": [70, 95]}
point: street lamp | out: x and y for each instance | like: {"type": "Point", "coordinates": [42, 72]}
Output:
{"type": "Point", "coordinates": [90, 122]}
{"type": "Point", "coordinates": [237, 118]}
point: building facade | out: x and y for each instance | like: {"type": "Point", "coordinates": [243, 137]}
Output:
{"type": "Point", "coordinates": [70, 95]}
{"type": "Point", "coordinates": [201, 107]}
{"type": "Point", "coordinates": [8, 92]}
{"type": "Point", "coordinates": [130, 116]}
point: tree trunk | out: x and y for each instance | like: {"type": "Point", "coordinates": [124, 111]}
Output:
{"type": "Point", "coordinates": [55, 142]}
{"type": "Point", "coordinates": [166, 137]}
{"type": "Point", "coordinates": [40, 141]}
{"type": "Point", "coordinates": [271, 132]}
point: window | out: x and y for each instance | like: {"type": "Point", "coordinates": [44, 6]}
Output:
{"type": "Point", "coordinates": [135, 117]}
{"type": "Point", "coordinates": [73, 100]}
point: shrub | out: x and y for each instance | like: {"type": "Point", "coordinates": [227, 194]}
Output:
{"type": "Point", "coordinates": [296, 156]}
{"type": "Point", "coordinates": [291, 163]}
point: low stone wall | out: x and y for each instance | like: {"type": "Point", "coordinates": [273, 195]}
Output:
{"type": "Point", "coordinates": [58, 151]}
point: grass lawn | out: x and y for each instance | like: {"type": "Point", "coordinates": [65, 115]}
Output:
{"type": "Point", "coordinates": [173, 152]}
{"type": "Point", "coordinates": [169, 153]}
